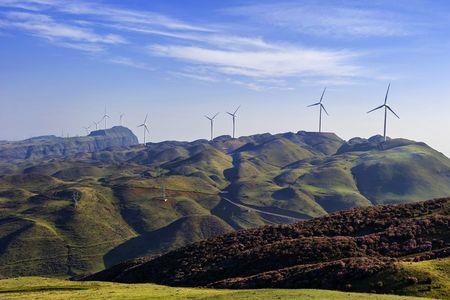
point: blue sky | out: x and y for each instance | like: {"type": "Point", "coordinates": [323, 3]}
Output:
{"type": "Point", "coordinates": [62, 61]}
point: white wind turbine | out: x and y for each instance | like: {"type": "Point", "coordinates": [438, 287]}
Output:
{"type": "Point", "coordinates": [320, 109]}
{"type": "Point", "coordinates": [233, 116]}
{"type": "Point", "coordinates": [211, 120]}
{"type": "Point", "coordinates": [386, 108]}
{"type": "Point", "coordinates": [144, 126]}
{"type": "Point", "coordinates": [105, 117]}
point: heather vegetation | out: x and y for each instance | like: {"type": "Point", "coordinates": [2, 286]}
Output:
{"type": "Point", "coordinates": [363, 249]}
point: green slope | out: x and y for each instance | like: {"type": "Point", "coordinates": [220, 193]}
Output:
{"type": "Point", "coordinates": [301, 175]}
{"type": "Point", "coordinates": [52, 289]}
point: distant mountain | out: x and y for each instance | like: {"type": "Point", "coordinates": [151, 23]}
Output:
{"type": "Point", "coordinates": [357, 250]}
{"type": "Point", "coordinates": [44, 147]}
{"type": "Point", "coordinates": [106, 200]}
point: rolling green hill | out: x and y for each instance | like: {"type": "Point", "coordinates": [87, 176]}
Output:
{"type": "Point", "coordinates": [79, 211]}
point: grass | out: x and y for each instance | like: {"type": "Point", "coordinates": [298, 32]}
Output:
{"type": "Point", "coordinates": [429, 278]}
{"type": "Point", "coordinates": [45, 288]}
{"type": "Point", "coordinates": [433, 278]}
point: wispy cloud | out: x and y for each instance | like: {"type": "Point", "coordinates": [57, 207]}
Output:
{"type": "Point", "coordinates": [333, 20]}
{"type": "Point", "coordinates": [209, 53]}
{"type": "Point", "coordinates": [46, 27]}
{"type": "Point", "coordinates": [104, 12]}
{"type": "Point", "coordinates": [195, 76]}
{"type": "Point", "coordinates": [126, 61]}
{"type": "Point", "coordinates": [263, 64]}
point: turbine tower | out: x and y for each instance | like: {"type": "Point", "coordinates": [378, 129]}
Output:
{"type": "Point", "coordinates": [211, 120]}
{"type": "Point", "coordinates": [144, 126]}
{"type": "Point", "coordinates": [321, 107]}
{"type": "Point", "coordinates": [105, 117]}
{"type": "Point", "coordinates": [96, 124]}
{"type": "Point", "coordinates": [121, 118]}
{"type": "Point", "coordinates": [386, 108]}
{"type": "Point", "coordinates": [233, 115]}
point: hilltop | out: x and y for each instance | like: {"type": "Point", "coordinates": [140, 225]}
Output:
{"type": "Point", "coordinates": [68, 213]}
{"type": "Point", "coordinates": [363, 249]}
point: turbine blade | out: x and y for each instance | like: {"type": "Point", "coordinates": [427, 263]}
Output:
{"type": "Point", "coordinates": [392, 111]}
{"type": "Point", "coordinates": [215, 116]}
{"type": "Point", "coordinates": [236, 110]}
{"type": "Point", "coordinates": [321, 105]}
{"type": "Point", "coordinates": [318, 103]}
{"type": "Point", "coordinates": [145, 120]}
{"type": "Point", "coordinates": [321, 97]}
{"type": "Point", "coordinates": [141, 125]}
{"type": "Point", "coordinates": [387, 93]}
{"type": "Point", "coordinates": [381, 106]}
{"type": "Point", "coordinates": [208, 117]}
{"type": "Point", "coordinates": [230, 114]}
{"type": "Point", "coordinates": [146, 129]}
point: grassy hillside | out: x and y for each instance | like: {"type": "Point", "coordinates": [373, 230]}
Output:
{"type": "Point", "coordinates": [77, 214]}
{"type": "Point", "coordinates": [52, 289]}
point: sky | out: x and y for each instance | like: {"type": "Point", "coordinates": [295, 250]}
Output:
{"type": "Point", "coordinates": [62, 62]}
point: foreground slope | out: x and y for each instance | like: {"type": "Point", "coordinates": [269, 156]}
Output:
{"type": "Point", "coordinates": [52, 289]}
{"type": "Point", "coordinates": [341, 251]}
{"type": "Point", "coordinates": [64, 213]}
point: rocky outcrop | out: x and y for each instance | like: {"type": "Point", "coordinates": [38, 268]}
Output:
{"type": "Point", "coordinates": [52, 146]}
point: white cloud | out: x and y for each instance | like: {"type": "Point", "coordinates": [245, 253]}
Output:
{"type": "Point", "coordinates": [221, 40]}
{"type": "Point", "coordinates": [46, 27]}
{"type": "Point", "coordinates": [195, 76]}
{"type": "Point", "coordinates": [210, 53]}
{"type": "Point", "coordinates": [265, 64]}
{"type": "Point", "coordinates": [91, 48]}
{"type": "Point", "coordinates": [104, 12]}
{"type": "Point", "coordinates": [327, 19]}
{"type": "Point", "coordinates": [125, 61]}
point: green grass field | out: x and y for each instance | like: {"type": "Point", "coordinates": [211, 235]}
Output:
{"type": "Point", "coordinates": [45, 288]}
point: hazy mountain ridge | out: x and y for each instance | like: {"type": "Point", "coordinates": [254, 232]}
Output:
{"type": "Point", "coordinates": [44, 147]}
{"type": "Point", "coordinates": [100, 208]}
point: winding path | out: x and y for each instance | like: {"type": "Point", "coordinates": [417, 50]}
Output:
{"type": "Point", "coordinates": [261, 211]}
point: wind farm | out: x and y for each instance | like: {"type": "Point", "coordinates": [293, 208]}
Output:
{"type": "Point", "coordinates": [224, 150]}
{"type": "Point", "coordinates": [213, 118]}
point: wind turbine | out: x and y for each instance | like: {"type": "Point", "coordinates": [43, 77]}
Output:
{"type": "Point", "coordinates": [96, 124]}
{"type": "Point", "coordinates": [121, 117]}
{"type": "Point", "coordinates": [233, 115]}
{"type": "Point", "coordinates": [320, 109]}
{"type": "Point", "coordinates": [87, 129]}
{"type": "Point", "coordinates": [105, 117]}
{"type": "Point", "coordinates": [211, 119]}
{"type": "Point", "coordinates": [144, 125]}
{"type": "Point", "coordinates": [386, 108]}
